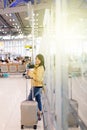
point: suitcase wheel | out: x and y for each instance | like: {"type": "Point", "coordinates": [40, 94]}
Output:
{"type": "Point", "coordinates": [22, 126]}
{"type": "Point", "coordinates": [35, 126]}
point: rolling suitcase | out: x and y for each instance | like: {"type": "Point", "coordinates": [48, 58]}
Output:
{"type": "Point", "coordinates": [73, 114]}
{"type": "Point", "coordinates": [29, 112]}
{"type": "Point", "coordinates": [73, 109]}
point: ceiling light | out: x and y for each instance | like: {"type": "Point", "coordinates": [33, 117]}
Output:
{"type": "Point", "coordinates": [33, 14]}
{"type": "Point", "coordinates": [26, 18]}
{"type": "Point", "coordinates": [81, 19]}
{"type": "Point", "coordinates": [29, 35]}
{"type": "Point", "coordinates": [6, 14]}
{"type": "Point", "coordinates": [27, 26]}
{"type": "Point", "coordinates": [10, 19]}
{"type": "Point", "coordinates": [13, 19]}
{"type": "Point", "coordinates": [5, 26]}
{"type": "Point", "coordinates": [10, 14]}
{"type": "Point", "coordinates": [37, 14]}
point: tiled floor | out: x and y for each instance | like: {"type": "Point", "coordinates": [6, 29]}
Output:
{"type": "Point", "coordinates": [12, 92]}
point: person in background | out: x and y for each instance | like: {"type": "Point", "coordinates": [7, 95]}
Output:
{"type": "Point", "coordinates": [37, 76]}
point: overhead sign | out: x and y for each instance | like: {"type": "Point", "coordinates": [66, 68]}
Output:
{"type": "Point", "coordinates": [1, 45]}
{"type": "Point", "coordinates": [28, 46]}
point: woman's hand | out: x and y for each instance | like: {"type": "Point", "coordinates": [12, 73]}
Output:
{"type": "Point", "coordinates": [27, 72]}
{"type": "Point", "coordinates": [30, 73]}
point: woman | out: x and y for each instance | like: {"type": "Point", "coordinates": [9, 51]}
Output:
{"type": "Point", "coordinates": [37, 75]}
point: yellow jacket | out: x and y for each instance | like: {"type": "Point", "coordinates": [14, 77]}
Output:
{"type": "Point", "coordinates": [37, 75]}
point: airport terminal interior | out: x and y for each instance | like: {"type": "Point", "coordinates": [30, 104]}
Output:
{"type": "Point", "coordinates": [57, 29]}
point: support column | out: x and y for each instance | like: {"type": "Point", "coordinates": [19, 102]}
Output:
{"type": "Point", "coordinates": [61, 66]}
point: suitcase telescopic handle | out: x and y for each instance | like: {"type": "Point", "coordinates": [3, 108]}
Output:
{"type": "Point", "coordinates": [27, 89]}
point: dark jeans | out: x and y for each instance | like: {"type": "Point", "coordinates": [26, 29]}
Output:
{"type": "Point", "coordinates": [36, 92]}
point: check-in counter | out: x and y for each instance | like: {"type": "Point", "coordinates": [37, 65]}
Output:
{"type": "Point", "coordinates": [21, 68]}
{"type": "Point", "coordinates": [12, 68]}
{"type": "Point", "coordinates": [4, 68]}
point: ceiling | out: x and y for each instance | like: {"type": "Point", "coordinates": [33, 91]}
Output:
{"type": "Point", "coordinates": [18, 20]}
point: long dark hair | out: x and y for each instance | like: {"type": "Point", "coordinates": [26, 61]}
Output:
{"type": "Point", "coordinates": [41, 58]}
